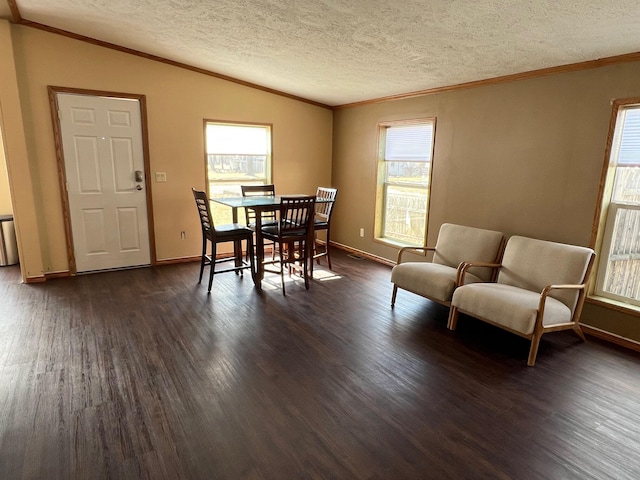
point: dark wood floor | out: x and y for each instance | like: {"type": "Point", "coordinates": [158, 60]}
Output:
{"type": "Point", "coordinates": [141, 375]}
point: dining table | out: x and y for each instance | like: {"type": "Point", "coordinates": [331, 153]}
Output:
{"type": "Point", "coordinates": [259, 204]}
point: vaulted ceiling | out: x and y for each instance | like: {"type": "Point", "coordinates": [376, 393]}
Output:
{"type": "Point", "coordinates": [338, 52]}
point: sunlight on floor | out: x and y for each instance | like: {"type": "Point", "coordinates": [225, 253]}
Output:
{"type": "Point", "coordinates": [272, 281]}
{"type": "Point", "coordinates": [324, 275]}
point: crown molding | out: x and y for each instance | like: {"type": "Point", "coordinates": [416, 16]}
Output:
{"type": "Point", "coordinates": [572, 67]}
{"type": "Point", "coordinates": [148, 56]}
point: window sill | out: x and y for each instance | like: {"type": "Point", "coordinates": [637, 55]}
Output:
{"type": "Point", "coordinates": [394, 243]}
{"type": "Point", "coordinates": [614, 305]}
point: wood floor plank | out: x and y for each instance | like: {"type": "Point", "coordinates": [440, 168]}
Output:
{"type": "Point", "coordinates": [139, 374]}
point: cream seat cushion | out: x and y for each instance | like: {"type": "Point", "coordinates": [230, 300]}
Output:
{"type": "Point", "coordinates": [508, 306]}
{"type": "Point", "coordinates": [432, 280]}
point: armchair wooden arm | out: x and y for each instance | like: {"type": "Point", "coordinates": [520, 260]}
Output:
{"type": "Point", "coordinates": [540, 288]}
{"type": "Point", "coordinates": [415, 250]}
{"type": "Point", "coordinates": [539, 328]}
{"type": "Point", "coordinates": [434, 277]}
{"type": "Point", "coordinates": [464, 266]}
{"type": "Point", "coordinates": [545, 293]}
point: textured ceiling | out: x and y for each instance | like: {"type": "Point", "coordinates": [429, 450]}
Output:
{"type": "Point", "coordinates": [343, 51]}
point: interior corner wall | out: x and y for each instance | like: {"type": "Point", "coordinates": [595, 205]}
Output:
{"type": "Point", "coordinates": [5, 194]}
{"type": "Point", "coordinates": [17, 165]}
{"type": "Point", "coordinates": [523, 157]}
{"type": "Point", "coordinates": [177, 100]}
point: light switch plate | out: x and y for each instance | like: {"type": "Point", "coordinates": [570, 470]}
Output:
{"type": "Point", "coordinates": [161, 177]}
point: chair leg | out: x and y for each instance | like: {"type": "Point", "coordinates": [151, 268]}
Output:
{"type": "Point", "coordinates": [252, 262]}
{"type": "Point", "coordinates": [533, 351]}
{"type": "Point", "coordinates": [579, 332]}
{"type": "Point", "coordinates": [312, 254]}
{"type": "Point", "coordinates": [326, 247]}
{"type": "Point", "coordinates": [393, 295]}
{"type": "Point", "coordinates": [453, 318]}
{"type": "Point", "coordinates": [315, 248]}
{"type": "Point", "coordinates": [212, 267]}
{"type": "Point", "coordinates": [284, 293]}
{"type": "Point", "coordinates": [203, 257]}
{"type": "Point", "coordinates": [291, 256]}
{"type": "Point", "coordinates": [307, 254]}
{"type": "Point", "coordinates": [237, 253]}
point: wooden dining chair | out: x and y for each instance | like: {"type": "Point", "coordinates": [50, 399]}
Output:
{"type": "Point", "coordinates": [292, 235]}
{"type": "Point", "coordinates": [233, 232]}
{"type": "Point", "coordinates": [258, 190]}
{"type": "Point", "coordinates": [324, 208]}
{"type": "Point", "coordinates": [268, 218]}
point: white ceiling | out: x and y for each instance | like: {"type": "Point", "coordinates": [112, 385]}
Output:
{"type": "Point", "coordinates": [343, 51]}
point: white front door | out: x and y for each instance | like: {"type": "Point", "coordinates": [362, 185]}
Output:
{"type": "Point", "coordinates": [104, 164]}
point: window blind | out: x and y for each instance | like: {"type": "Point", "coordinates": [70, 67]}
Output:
{"type": "Point", "coordinates": [237, 140]}
{"type": "Point", "coordinates": [630, 140]}
{"type": "Point", "coordinates": [409, 143]}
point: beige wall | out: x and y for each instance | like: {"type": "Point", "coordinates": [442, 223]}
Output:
{"type": "Point", "coordinates": [177, 102]}
{"type": "Point", "coordinates": [18, 168]}
{"type": "Point", "coordinates": [5, 194]}
{"type": "Point", "coordinates": [523, 157]}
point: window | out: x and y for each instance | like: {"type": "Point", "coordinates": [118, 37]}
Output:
{"type": "Point", "coordinates": [404, 178]}
{"type": "Point", "coordinates": [618, 275]}
{"type": "Point", "coordinates": [237, 154]}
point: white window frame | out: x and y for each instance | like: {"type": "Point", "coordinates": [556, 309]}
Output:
{"type": "Point", "coordinates": [611, 207]}
{"type": "Point", "coordinates": [383, 182]}
{"type": "Point", "coordinates": [232, 183]}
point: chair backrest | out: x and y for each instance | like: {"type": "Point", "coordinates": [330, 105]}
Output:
{"type": "Point", "coordinates": [258, 190]}
{"type": "Point", "coordinates": [204, 212]}
{"type": "Point", "coordinates": [263, 190]}
{"type": "Point", "coordinates": [296, 214]}
{"type": "Point", "coordinates": [459, 243]}
{"type": "Point", "coordinates": [325, 207]}
{"type": "Point", "coordinates": [533, 264]}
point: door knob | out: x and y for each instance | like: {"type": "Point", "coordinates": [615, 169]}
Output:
{"type": "Point", "coordinates": [138, 187]}
{"type": "Point", "coordinates": [139, 176]}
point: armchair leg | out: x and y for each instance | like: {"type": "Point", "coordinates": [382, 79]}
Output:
{"type": "Point", "coordinates": [453, 318]}
{"type": "Point", "coordinates": [533, 351]}
{"type": "Point", "coordinates": [393, 295]}
{"type": "Point", "coordinates": [579, 332]}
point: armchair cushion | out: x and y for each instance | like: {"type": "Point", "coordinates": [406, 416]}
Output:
{"type": "Point", "coordinates": [459, 243]}
{"type": "Point", "coordinates": [533, 264]}
{"type": "Point", "coordinates": [532, 271]}
{"type": "Point", "coordinates": [456, 244]}
{"type": "Point", "coordinates": [431, 280]}
{"type": "Point", "coordinates": [510, 307]}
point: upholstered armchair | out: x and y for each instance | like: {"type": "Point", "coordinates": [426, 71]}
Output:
{"type": "Point", "coordinates": [540, 288]}
{"type": "Point", "coordinates": [437, 279]}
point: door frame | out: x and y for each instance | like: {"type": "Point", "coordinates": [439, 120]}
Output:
{"type": "Point", "coordinates": [62, 176]}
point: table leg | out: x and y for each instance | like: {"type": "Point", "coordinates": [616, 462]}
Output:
{"type": "Point", "coordinates": [237, 245]}
{"type": "Point", "coordinates": [259, 247]}
{"type": "Point", "coordinates": [311, 245]}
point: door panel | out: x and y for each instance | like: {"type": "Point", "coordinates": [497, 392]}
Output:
{"type": "Point", "coordinates": [123, 163]}
{"type": "Point", "coordinates": [102, 146]}
{"type": "Point", "coordinates": [127, 221]}
{"type": "Point", "coordinates": [93, 227]}
{"type": "Point", "coordinates": [87, 164]}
